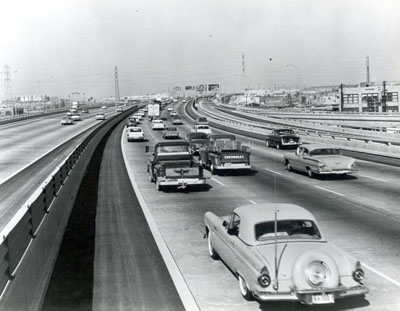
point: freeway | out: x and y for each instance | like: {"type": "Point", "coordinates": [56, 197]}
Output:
{"type": "Point", "coordinates": [30, 151]}
{"type": "Point", "coordinates": [360, 214]}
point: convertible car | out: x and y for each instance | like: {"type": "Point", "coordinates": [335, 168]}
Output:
{"type": "Point", "coordinates": [293, 262]}
{"type": "Point", "coordinates": [318, 159]}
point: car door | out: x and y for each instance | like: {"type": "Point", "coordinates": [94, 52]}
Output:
{"type": "Point", "coordinates": [296, 159]}
{"type": "Point", "coordinates": [228, 241]}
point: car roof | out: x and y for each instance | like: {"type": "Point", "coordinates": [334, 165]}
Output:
{"type": "Point", "coordinates": [216, 136]}
{"type": "Point", "coordinates": [254, 214]}
{"type": "Point", "coordinates": [172, 143]}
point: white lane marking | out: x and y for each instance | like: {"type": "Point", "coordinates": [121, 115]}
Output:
{"type": "Point", "coordinates": [272, 171]}
{"type": "Point", "coordinates": [180, 283]}
{"type": "Point", "coordinates": [216, 180]}
{"type": "Point", "coordinates": [252, 202]}
{"type": "Point", "coordinates": [378, 179]}
{"type": "Point", "coordinates": [322, 188]}
{"type": "Point", "coordinates": [381, 274]}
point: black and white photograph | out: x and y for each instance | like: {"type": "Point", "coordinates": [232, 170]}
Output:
{"type": "Point", "coordinates": [199, 155]}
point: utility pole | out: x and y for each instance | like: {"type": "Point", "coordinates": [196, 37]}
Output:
{"type": "Point", "coordinates": [117, 96]}
{"type": "Point", "coordinates": [7, 84]}
{"type": "Point", "coordinates": [367, 63]}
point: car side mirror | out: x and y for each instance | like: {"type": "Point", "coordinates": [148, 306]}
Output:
{"type": "Point", "coordinates": [225, 223]}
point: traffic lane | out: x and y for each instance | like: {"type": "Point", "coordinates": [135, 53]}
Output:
{"type": "Point", "coordinates": [179, 216]}
{"type": "Point", "coordinates": [21, 145]}
{"type": "Point", "coordinates": [129, 272]}
{"type": "Point", "coordinates": [16, 191]}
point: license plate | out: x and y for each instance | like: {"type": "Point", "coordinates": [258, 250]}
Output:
{"type": "Point", "coordinates": [322, 298]}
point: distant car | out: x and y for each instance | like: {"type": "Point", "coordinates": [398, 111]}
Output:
{"type": "Point", "coordinates": [103, 107]}
{"type": "Point", "coordinates": [135, 133]}
{"type": "Point", "coordinates": [202, 129]}
{"type": "Point", "coordinates": [196, 141]}
{"type": "Point", "coordinates": [170, 109]}
{"type": "Point", "coordinates": [177, 120]}
{"type": "Point", "coordinates": [319, 159]}
{"type": "Point", "coordinates": [170, 132]}
{"type": "Point", "coordinates": [76, 117]}
{"type": "Point", "coordinates": [120, 109]}
{"type": "Point", "coordinates": [85, 111]}
{"type": "Point", "coordinates": [157, 124]}
{"type": "Point", "coordinates": [280, 138]}
{"type": "Point", "coordinates": [67, 121]}
{"type": "Point", "coordinates": [293, 262]}
{"type": "Point", "coordinates": [202, 120]}
{"type": "Point", "coordinates": [100, 116]}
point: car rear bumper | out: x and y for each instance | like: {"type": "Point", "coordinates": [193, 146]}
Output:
{"type": "Point", "coordinates": [306, 296]}
{"type": "Point", "coordinates": [181, 181]}
{"type": "Point", "coordinates": [233, 166]}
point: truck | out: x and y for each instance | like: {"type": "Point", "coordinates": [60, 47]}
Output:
{"type": "Point", "coordinates": [75, 105]}
{"type": "Point", "coordinates": [153, 110]}
{"type": "Point", "coordinates": [224, 152]}
{"type": "Point", "coordinates": [171, 164]}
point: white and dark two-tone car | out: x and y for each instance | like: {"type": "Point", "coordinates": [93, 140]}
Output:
{"type": "Point", "coordinates": [319, 159]}
{"type": "Point", "coordinates": [293, 262]}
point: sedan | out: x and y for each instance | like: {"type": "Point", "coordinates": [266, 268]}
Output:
{"type": "Point", "coordinates": [319, 159]}
{"type": "Point", "coordinates": [280, 138]}
{"type": "Point", "coordinates": [277, 252]}
{"type": "Point", "coordinates": [170, 132]}
{"type": "Point", "coordinates": [67, 121]}
{"type": "Point", "coordinates": [100, 116]}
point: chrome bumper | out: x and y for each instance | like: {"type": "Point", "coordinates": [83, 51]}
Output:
{"type": "Point", "coordinates": [181, 181]}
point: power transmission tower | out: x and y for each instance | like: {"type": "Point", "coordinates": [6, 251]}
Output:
{"type": "Point", "coordinates": [7, 81]}
{"type": "Point", "coordinates": [117, 96]}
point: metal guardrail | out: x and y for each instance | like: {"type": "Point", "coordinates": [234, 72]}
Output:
{"type": "Point", "coordinates": [233, 125]}
{"type": "Point", "coordinates": [16, 237]}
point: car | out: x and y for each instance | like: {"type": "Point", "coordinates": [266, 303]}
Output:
{"type": "Point", "coordinates": [320, 159]}
{"type": "Point", "coordinates": [293, 262]}
{"type": "Point", "coordinates": [67, 121]}
{"type": "Point", "coordinates": [177, 120]}
{"type": "Point", "coordinates": [135, 133]}
{"type": "Point", "coordinates": [100, 116]}
{"type": "Point", "coordinates": [157, 124]}
{"type": "Point", "coordinates": [196, 140]}
{"type": "Point", "coordinates": [202, 120]}
{"type": "Point", "coordinates": [169, 109]}
{"type": "Point", "coordinates": [103, 107]}
{"type": "Point", "coordinates": [76, 117]}
{"type": "Point", "coordinates": [202, 129]}
{"type": "Point", "coordinates": [173, 113]}
{"type": "Point", "coordinates": [170, 132]}
{"type": "Point", "coordinates": [84, 111]}
{"type": "Point", "coordinates": [120, 109]}
{"type": "Point", "coordinates": [283, 137]}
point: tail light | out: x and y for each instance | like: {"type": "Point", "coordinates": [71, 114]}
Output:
{"type": "Point", "coordinates": [264, 279]}
{"type": "Point", "coordinates": [358, 273]}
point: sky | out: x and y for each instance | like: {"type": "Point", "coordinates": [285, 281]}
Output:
{"type": "Point", "coordinates": [68, 46]}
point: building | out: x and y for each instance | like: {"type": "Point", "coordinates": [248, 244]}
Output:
{"type": "Point", "coordinates": [370, 97]}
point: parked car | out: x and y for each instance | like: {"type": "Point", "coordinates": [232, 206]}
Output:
{"type": "Point", "coordinates": [135, 133]}
{"type": "Point", "coordinates": [170, 132]}
{"type": "Point", "coordinates": [294, 262]}
{"type": "Point", "coordinates": [202, 129]}
{"type": "Point", "coordinates": [319, 159]}
{"type": "Point", "coordinates": [100, 116]}
{"type": "Point", "coordinates": [202, 120]}
{"type": "Point", "coordinates": [157, 124]}
{"type": "Point", "coordinates": [196, 140]}
{"type": "Point", "coordinates": [67, 121]}
{"type": "Point", "coordinates": [282, 138]}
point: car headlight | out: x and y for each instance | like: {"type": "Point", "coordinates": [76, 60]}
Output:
{"type": "Point", "coordinates": [358, 273]}
{"type": "Point", "coordinates": [321, 165]}
{"type": "Point", "coordinates": [264, 279]}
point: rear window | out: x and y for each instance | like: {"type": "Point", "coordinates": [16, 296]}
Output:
{"type": "Point", "coordinates": [325, 151]}
{"type": "Point", "coordinates": [287, 229]}
{"type": "Point", "coordinates": [136, 130]}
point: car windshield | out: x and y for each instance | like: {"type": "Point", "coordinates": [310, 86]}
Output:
{"type": "Point", "coordinates": [285, 132]}
{"type": "Point", "coordinates": [173, 149]}
{"type": "Point", "coordinates": [287, 229]}
{"type": "Point", "coordinates": [136, 130]}
{"type": "Point", "coordinates": [204, 127]}
{"type": "Point", "coordinates": [171, 129]}
{"type": "Point", "coordinates": [202, 119]}
{"type": "Point", "coordinates": [325, 151]}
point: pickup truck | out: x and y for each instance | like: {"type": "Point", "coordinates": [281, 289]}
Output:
{"type": "Point", "coordinates": [171, 164]}
{"type": "Point", "coordinates": [224, 152]}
